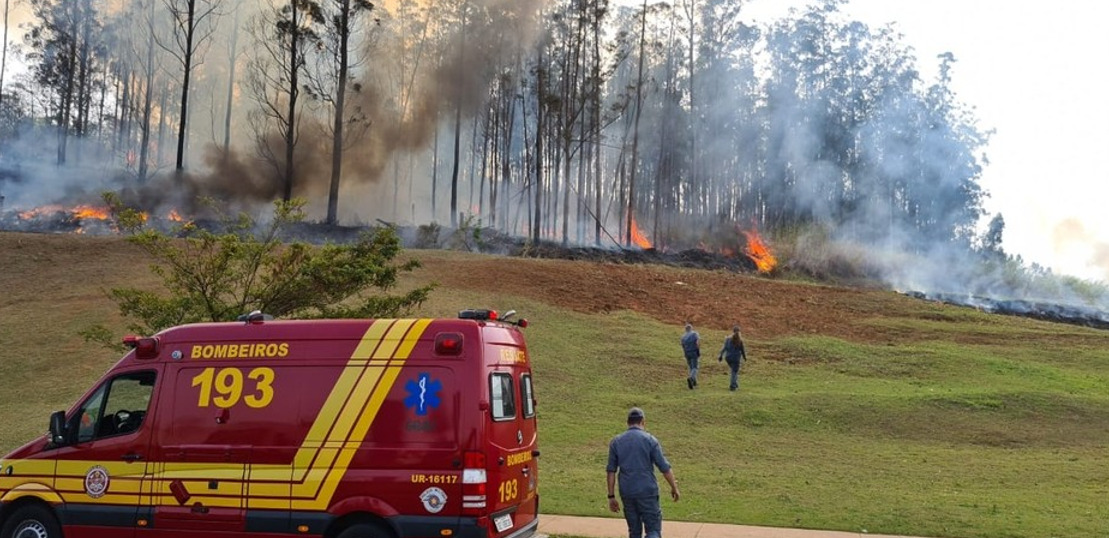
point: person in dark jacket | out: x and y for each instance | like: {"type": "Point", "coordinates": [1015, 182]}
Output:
{"type": "Point", "coordinates": [735, 354]}
{"type": "Point", "coordinates": [635, 454]}
{"type": "Point", "coordinates": [691, 347]}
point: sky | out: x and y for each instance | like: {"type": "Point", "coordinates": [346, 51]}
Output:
{"type": "Point", "coordinates": [1036, 73]}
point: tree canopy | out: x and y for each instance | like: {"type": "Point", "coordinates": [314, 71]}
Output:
{"type": "Point", "coordinates": [246, 265]}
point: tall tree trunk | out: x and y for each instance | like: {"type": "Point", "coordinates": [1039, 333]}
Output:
{"type": "Point", "coordinates": [148, 99]}
{"type": "Point", "coordinates": [661, 173]}
{"type": "Point", "coordinates": [473, 163]}
{"type": "Point", "coordinates": [231, 64]}
{"type": "Point", "coordinates": [635, 130]}
{"type": "Point", "coordinates": [117, 110]}
{"type": "Point", "coordinates": [294, 93]}
{"type": "Point", "coordinates": [188, 60]}
{"type": "Point", "coordinates": [103, 100]}
{"type": "Point", "coordinates": [434, 167]}
{"type": "Point", "coordinates": [454, 170]}
{"type": "Point", "coordinates": [540, 118]}
{"type": "Point", "coordinates": [458, 127]}
{"type": "Point", "coordinates": [488, 142]}
{"type": "Point", "coordinates": [694, 120]}
{"type": "Point", "coordinates": [64, 114]}
{"type": "Point", "coordinates": [596, 125]}
{"type": "Point", "coordinates": [162, 128]}
{"type": "Point", "coordinates": [340, 100]}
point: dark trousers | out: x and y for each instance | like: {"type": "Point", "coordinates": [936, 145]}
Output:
{"type": "Point", "coordinates": [692, 361]}
{"type": "Point", "coordinates": [735, 374]}
{"type": "Point", "coordinates": [643, 514]}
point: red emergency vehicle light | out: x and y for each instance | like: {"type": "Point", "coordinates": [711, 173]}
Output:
{"type": "Point", "coordinates": [473, 483]}
{"type": "Point", "coordinates": [145, 348]}
{"type": "Point", "coordinates": [448, 344]}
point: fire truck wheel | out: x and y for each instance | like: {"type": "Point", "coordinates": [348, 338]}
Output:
{"type": "Point", "coordinates": [31, 521]}
{"type": "Point", "coordinates": [365, 530]}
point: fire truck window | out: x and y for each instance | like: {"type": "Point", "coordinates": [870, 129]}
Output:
{"type": "Point", "coordinates": [118, 407]}
{"type": "Point", "coordinates": [527, 398]}
{"type": "Point", "coordinates": [89, 416]}
{"type": "Point", "coordinates": [503, 396]}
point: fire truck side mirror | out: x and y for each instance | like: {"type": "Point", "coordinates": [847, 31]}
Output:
{"type": "Point", "coordinates": [57, 428]}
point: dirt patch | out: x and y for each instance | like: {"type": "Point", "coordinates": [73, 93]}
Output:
{"type": "Point", "coordinates": [712, 299]}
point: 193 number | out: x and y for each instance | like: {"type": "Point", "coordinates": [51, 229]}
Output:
{"type": "Point", "coordinates": [509, 490]}
{"type": "Point", "coordinates": [224, 387]}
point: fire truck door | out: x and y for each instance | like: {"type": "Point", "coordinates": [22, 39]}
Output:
{"type": "Point", "coordinates": [512, 469]}
{"type": "Point", "coordinates": [100, 471]}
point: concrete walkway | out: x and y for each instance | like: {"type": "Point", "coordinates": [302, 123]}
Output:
{"type": "Point", "coordinates": [615, 527]}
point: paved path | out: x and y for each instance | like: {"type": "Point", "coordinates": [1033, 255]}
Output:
{"type": "Point", "coordinates": [614, 527]}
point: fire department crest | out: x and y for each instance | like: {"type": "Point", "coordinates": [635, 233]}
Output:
{"type": "Point", "coordinates": [96, 482]}
{"type": "Point", "coordinates": [434, 499]}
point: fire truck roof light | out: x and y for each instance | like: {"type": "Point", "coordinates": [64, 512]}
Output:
{"type": "Point", "coordinates": [480, 315]}
{"type": "Point", "coordinates": [145, 348]}
{"type": "Point", "coordinates": [256, 317]}
{"type": "Point", "coordinates": [491, 315]}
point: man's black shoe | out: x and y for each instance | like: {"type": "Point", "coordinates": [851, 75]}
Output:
{"type": "Point", "coordinates": [689, 381]}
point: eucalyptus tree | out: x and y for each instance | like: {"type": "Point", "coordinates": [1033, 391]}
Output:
{"type": "Point", "coordinates": [194, 22]}
{"type": "Point", "coordinates": [409, 45]}
{"type": "Point", "coordinates": [233, 53]}
{"type": "Point", "coordinates": [635, 129]}
{"type": "Point", "coordinates": [147, 23]}
{"type": "Point", "coordinates": [344, 25]}
{"type": "Point", "coordinates": [856, 143]}
{"type": "Point", "coordinates": [283, 35]}
{"type": "Point", "coordinates": [53, 40]}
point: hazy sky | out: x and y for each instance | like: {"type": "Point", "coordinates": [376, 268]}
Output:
{"type": "Point", "coordinates": [1036, 72]}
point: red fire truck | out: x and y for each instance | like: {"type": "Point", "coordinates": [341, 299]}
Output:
{"type": "Point", "coordinates": [335, 428]}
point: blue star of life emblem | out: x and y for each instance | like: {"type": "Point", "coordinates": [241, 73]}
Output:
{"type": "Point", "coordinates": [423, 392]}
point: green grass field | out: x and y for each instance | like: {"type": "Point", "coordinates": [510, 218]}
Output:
{"type": "Point", "coordinates": [968, 425]}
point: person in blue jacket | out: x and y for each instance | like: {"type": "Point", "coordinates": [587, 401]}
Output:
{"type": "Point", "coordinates": [691, 346]}
{"type": "Point", "coordinates": [735, 354]}
{"type": "Point", "coordinates": [633, 457]}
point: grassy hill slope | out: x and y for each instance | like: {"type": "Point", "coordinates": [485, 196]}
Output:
{"type": "Point", "coordinates": [859, 410]}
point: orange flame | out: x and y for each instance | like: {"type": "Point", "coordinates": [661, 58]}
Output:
{"type": "Point", "coordinates": [759, 252]}
{"type": "Point", "coordinates": [91, 212]}
{"type": "Point", "coordinates": [638, 238]}
{"type": "Point", "coordinates": [174, 216]}
{"type": "Point", "coordinates": [78, 212]}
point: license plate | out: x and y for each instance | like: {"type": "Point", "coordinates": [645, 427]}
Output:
{"type": "Point", "coordinates": [503, 523]}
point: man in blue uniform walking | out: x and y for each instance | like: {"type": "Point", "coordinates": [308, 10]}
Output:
{"type": "Point", "coordinates": [635, 454]}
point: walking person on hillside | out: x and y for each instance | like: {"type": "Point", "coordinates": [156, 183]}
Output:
{"type": "Point", "coordinates": [691, 346]}
{"type": "Point", "coordinates": [635, 454]}
{"type": "Point", "coordinates": [734, 352]}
